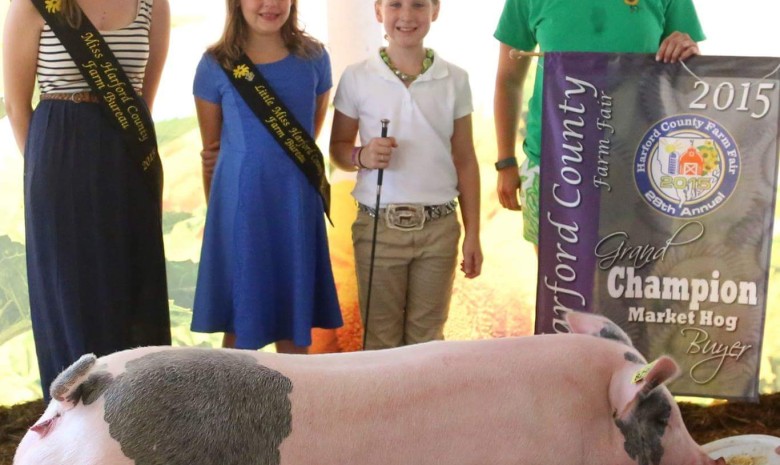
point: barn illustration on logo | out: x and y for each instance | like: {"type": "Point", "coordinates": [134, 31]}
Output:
{"type": "Point", "coordinates": [686, 166]}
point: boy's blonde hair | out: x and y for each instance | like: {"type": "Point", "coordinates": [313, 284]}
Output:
{"type": "Point", "coordinates": [230, 46]}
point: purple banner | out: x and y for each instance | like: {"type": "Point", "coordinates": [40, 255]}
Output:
{"type": "Point", "coordinates": [657, 201]}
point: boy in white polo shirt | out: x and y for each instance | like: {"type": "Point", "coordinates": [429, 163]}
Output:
{"type": "Point", "coordinates": [427, 163]}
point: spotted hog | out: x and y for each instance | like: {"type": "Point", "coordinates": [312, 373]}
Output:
{"type": "Point", "coordinates": [541, 400]}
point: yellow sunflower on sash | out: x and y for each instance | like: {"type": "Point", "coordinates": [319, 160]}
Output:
{"type": "Point", "coordinates": [239, 71]}
{"type": "Point", "coordinates": [53, 6]}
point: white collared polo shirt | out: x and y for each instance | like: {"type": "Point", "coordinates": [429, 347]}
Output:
{"type": "Point", "coordinates": [421, 118]}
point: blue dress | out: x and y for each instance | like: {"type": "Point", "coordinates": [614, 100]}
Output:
{"type": "Point", "coordinates": [265, 271]}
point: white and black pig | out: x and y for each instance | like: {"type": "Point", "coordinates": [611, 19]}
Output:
{"type": "Point", "coordinates": [565, 399]}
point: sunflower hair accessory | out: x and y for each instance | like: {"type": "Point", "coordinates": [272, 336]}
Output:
{"type": "Point", "coordinates": [634, 4]}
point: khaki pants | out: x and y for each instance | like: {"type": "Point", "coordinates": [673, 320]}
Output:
{"type": "Point", "coordinates": [413, 276]}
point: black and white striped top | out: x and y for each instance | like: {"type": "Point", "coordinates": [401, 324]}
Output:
{"type": "Point", "coordinates": [58, 73]}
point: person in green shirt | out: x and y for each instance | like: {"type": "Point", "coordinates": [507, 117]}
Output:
{"type": "Point", "coordinates": [668, 28]}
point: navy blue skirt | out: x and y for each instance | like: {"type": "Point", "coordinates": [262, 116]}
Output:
{"type": "Point", "coordinates": [95, 258]}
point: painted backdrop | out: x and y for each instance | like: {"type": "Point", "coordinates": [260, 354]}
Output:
{"type": "Point", "coordinates": [499, 303]}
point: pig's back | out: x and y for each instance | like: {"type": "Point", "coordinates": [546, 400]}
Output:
{"type": "Point", "coordinates": [442, 402]}
{"type": "Point", "coordinates": [453, 401]}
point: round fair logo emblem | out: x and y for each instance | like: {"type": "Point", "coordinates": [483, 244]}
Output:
{"type": "Point", "coordinates": [686, 166]}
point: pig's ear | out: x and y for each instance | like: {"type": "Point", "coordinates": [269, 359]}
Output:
{"type": "Point", "coordinates": [635, 386]}
{"type": "Point", "coordinates": [648, 409]}
{"type": "Point", "coordinates": [596, 325]}
{"type": "Point", "coordinates": [65, 386]}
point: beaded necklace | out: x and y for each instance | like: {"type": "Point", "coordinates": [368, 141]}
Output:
{"type": "Point", "coordinates": [427, 62]}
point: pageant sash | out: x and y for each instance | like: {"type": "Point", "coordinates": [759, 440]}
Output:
{"type": "Point", "coordinates": [280, 122]}
{"type": "Point", "coordinates": [105, 76]}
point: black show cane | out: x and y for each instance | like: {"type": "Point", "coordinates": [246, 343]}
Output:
{"type": "Point", "coordinates": [380, 174]}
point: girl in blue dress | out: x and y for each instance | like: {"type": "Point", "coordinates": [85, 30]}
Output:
{"type": "Point", "coordinates": [265, 273]}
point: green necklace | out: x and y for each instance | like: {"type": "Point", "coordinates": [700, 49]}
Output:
{"type": "Point", "coordinates": [427, 62]}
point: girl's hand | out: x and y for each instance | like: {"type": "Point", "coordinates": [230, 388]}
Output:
{"type": "Point", "coordinates": [677, 47]}
{"type": "Point", "coordinates": [378, 153]}
{"type": "Point", "coordinates": [471, 266]}
{"type": "Point", "coordinates": [508, 188]}
{"type": "Point", "coordinates": [209, 157]}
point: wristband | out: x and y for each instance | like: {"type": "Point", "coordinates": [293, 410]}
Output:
{"type": "Point", "coordinates": [506, 163]}
{"type": "Point", "coordinates": [360, 164]}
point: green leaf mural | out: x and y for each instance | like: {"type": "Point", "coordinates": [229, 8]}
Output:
{"type": "Point", "coordinates": [182, 277]}
{"type": "Point", "coordinates": [14, 299]}
{"type": "Point", "coordinates": [181, 334]}
{"type": "Point", "coordinates": [170, 219]}
{"type": "Point", "coordinates": [172, 129]}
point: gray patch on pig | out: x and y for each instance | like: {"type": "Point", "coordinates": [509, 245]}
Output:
{"type": "Point", "coordinates": [613, 332]}
{"type": "Point", "coordinates": [187, 407]}
{"type": "Point", "coordinates": [645, 428]}
{"type": "Point", "coordinates": [634, 358]}
{"type": "Point", "coordinates": [92, 388]}
{"type": "Point", "coordinates": [62, 387]}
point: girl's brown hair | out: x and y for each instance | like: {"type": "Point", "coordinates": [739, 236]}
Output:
{"type": "Point", "coordinates": [230, 46]}
{"type": "Point", "coordinates": [72, 13]}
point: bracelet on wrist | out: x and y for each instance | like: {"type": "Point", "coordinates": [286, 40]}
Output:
{"type": "Point", "coordinates": [360, 164]}
{"type": "Point", "coordinates": [506, 163]}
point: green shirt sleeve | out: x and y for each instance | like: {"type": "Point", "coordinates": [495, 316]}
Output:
{"type": "Point", "coordinates": [514, 25]}
{"type": "Point", "coordinates": [681, 16]}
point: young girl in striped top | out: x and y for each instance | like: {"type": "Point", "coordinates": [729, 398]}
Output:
{"type": "Point", "coordinates": [95, 261]}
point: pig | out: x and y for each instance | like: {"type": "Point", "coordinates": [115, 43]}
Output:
{"type": "Point", "coordinates": [537, 400]}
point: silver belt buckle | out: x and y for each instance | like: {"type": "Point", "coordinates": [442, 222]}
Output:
{"type": "Point", "coordinates": [405, 217]}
